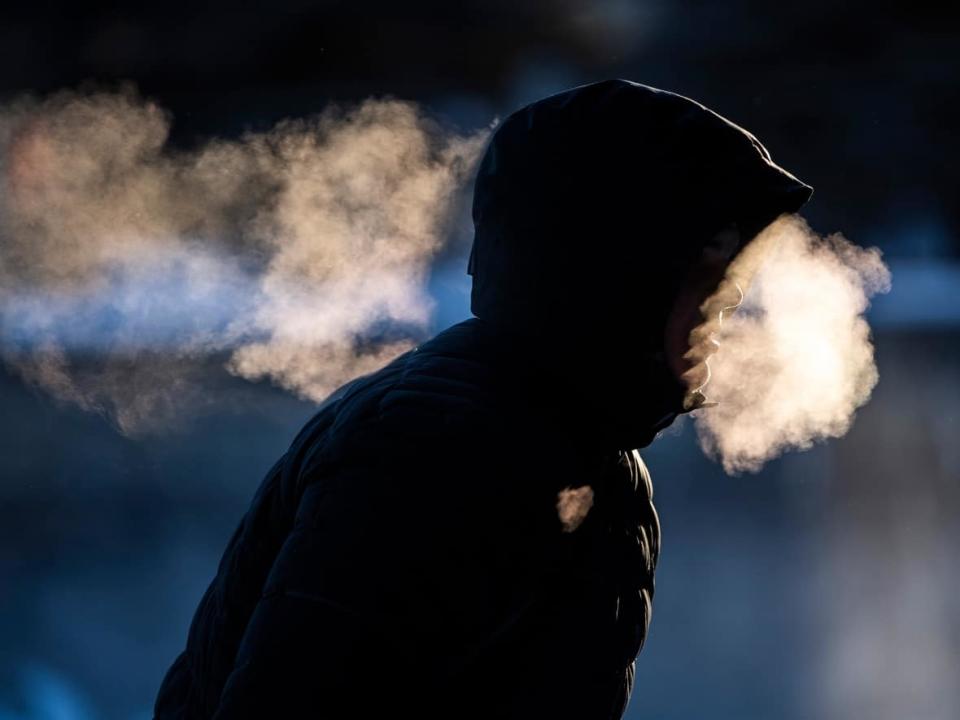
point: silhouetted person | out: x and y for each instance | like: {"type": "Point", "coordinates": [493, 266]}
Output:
{"type": "Point", "coordinates": [469, 532]}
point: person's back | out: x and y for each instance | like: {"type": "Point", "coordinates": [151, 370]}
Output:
{"type": "Point", "coordinates": [413, 549]}
{"type": "Point", "coordinates": [469, 531]}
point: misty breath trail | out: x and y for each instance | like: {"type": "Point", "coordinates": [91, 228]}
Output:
{"type": "Point", "coordinates": [301, 255]}
{"type": "Point", "coordinates": [796, 359]}
{"type": "Point", "coordinates": [124, 263]}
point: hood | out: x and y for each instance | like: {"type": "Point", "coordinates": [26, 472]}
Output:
{"type": "Point", "coordinates": [589, 207]}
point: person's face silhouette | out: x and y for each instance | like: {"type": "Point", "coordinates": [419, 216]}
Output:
{"type": "Point", "coordinates": [686, 354]}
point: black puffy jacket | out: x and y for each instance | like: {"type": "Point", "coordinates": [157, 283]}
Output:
{"type": "Point", "coordinates": [469, 531]}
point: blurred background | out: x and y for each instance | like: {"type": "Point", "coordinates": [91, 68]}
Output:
{"type": "Point", "coordinates": [824, 587]}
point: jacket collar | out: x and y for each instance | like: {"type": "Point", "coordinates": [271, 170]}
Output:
{"type": "Point", "coordinates": [622, 410]}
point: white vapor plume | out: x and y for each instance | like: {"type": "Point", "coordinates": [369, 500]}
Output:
{"type": "Point", "coordinates": [299, 254]}
{"type": "Point", "coordinates": [795, 360]}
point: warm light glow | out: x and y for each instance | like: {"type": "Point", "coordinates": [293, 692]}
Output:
{"type": "Point", "coordinates": [573, 504]}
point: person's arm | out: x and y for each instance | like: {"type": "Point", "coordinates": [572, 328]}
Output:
{"type": "Point", "coordinates": [191, 686]}
{"type": "Point", "coordinates": [355, 595]}
{"type": "Point", "coordinates": [326, 630]}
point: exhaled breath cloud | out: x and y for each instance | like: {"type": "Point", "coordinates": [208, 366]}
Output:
{"type": "Point", "coordinates": [125, 263]}
{"type": "Point", "coordinates": [301, 254]}
{"type": "Point", "coordinates": [796, 359]}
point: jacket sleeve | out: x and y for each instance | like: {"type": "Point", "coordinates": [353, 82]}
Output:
{"type": "Point", "coordinates": [194, 683]}
{"type": "Point", "coordinates": [363, 588]}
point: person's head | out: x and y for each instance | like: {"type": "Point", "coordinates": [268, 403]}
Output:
{"type": "Point", "coordinates": [602, 215]}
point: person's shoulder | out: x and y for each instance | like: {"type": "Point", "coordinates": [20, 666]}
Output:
{"type": "Point", "coordinates": [344, 406]}
{"type": "Point", "coordinates": [442, 388]}
{"type": "Point", "coordinates": [438, 394]}
{"type": "Point", "coordinates": [421, 438]}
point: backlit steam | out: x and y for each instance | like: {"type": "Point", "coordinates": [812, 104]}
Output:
{"type": "Point", "coordinates": [795, 359]}
{"type": "Point", "coordinates": [294, 254]}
